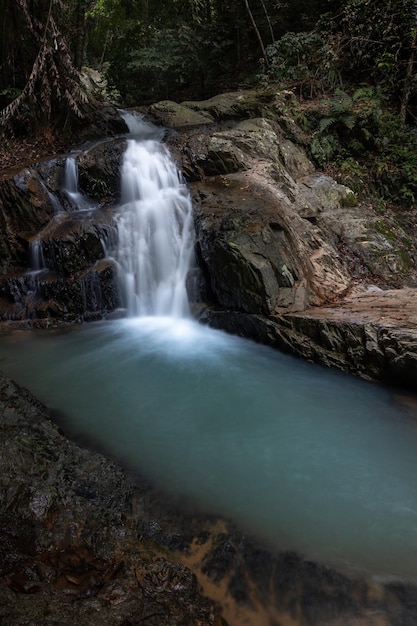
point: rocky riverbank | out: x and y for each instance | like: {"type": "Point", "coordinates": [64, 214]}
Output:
{"type": "Point", "coordinates": [84, 542]}
{"type": "Point", "coordinates": [372, 334]}
{"type": "Point", "coordinates": [77, 541]}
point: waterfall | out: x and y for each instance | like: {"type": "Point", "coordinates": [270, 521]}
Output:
{"type": "Point", "coordinates": [38, 266]}
{"type": "Point", "coordinates": [77, 199]}
{"type": "Point", "coordinates": [37, 259]}
{"type": "Point", "coordinates": [155, 228]}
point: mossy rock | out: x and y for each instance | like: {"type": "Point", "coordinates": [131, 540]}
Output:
{"type": "Point", "coordinates": [169, 113]}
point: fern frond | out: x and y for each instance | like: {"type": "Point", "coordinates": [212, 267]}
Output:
{"type": "Point", "coordinates": [326, 123]}
{"type": "Point", "coordinates": [349, 121]}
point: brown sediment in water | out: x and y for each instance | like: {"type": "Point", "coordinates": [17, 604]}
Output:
{"type": "Point", "coordinates": [408, 401]}
{"type": "Point", "coordinates": [253, 587]}
{"type": "Point", "coordinates": [236, 613]}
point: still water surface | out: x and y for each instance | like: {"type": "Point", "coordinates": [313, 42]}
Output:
{"type": "Point", "coordinates": [308, 459]}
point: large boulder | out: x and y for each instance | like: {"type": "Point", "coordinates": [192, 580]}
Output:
{"type": "Point", "coordinates": [261, 251]}
{"type": "Point", "coordinates": [259, 254]}
{"type": "Point", "coordinates": [253, 158]}
{"type": "Point", "coordinates": [172, 114]}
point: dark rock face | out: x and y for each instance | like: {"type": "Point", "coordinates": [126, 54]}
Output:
{"type": "Point", "coordinates": [73, 281]}
{"type": "Point", "coordinates": [99, 169]}
{"type": "Point", "coordinates": [101, 119]}
{"type": "Point", "coordinates": [24, 208]}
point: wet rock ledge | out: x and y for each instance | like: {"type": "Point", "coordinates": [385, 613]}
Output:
{"type": "Point", "coordinates": [82, 542]}
{"type": "Point", "coordinates": [372, 334]}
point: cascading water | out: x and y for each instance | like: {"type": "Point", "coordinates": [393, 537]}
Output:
{"type": "Point", "coordinates": [28, 286]}
{"type": "Point", "coordinates": [71, 176]}
{"type": "Point", "coordinates": [71, 189]}
{"type": "Point", "coordinates": [47, 260]}
{"type": "Point", "coordinates": [36, 255]}
{"type": "Point", "coordinates": [155, 228]}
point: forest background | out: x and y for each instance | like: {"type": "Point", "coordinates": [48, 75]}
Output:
{"type": "Point", "coordinates": [351, 65]}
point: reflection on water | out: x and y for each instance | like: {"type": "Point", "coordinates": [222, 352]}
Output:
{"type": "Point", "coordinates": [309, 459]}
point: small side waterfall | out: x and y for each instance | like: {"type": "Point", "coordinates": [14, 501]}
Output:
{"type": "Point", "coordinates": [36, 255]}
{"type": "Point", "coordinates": [77, 199]}
{"type": "Point", "coordinates": [155, 229]}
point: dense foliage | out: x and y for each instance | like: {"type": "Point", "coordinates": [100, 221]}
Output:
{"type": "Point", "coordinates": [166, 48]}
{"type": "Point", "coordinates": [367, 142]}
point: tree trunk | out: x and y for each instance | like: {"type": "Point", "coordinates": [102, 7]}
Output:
{"type": "Point", "coordinates": [271, 30]}
{"type": "Point", "coordinates": [79, 34]}
{"type": "Point", "coordinates": [51, 87]}
{"type": "Point", "coordinates": [408, 81]}
{"type": "Point", "coordinates": [258, 34]}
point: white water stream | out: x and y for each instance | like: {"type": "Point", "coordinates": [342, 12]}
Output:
{"type": "Point", "coordinates": [77, 199]}
{"type": "Point", "coordinates": [155, 229]}
{"type": "Point", "coordinates": [307, 458]}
